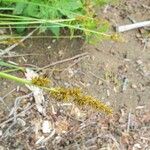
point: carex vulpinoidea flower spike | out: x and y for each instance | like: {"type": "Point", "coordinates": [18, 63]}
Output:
{"type": "Point", "coordinates": [75, 95]}
{"type": "Point", "coordinates": [63, 94]}
{"type": "Point", "coordinates": [40, 81]}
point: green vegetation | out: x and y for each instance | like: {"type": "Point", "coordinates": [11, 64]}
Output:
{"type": "Point", "coordinates": [54, 15]}
{"type": "Point", "coordinates": [59, 93]}
{"type": "Point", "coordinates": [77, 17]}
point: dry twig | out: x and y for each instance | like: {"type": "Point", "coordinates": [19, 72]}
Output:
{"type": "Point", "coordinates": [16, 44]}
{"type": "Point", "coordinates": [129, 122]}
{"type": "Point", "coordinates": [63, 61]}
{"type": "Point", "coordinates": [137, 25]}
{"type": "Point", "coordinates": [19, 114]}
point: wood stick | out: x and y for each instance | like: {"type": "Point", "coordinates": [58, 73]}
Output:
{"type": "Point", "coordinates": [132, 26]}
{"type": "Point", "coordinates": [16, 44]}
{"type": "Point", "coordinates": [64, 60]}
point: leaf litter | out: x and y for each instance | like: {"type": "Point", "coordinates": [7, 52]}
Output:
{"type": "Point", "coordinates": [68, 127]}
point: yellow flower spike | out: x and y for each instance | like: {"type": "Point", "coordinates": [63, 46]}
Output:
{"type": "Point", "coordinates": [60, 94]}
{"type": "Point", "coordinates": [40, 81]}
{"type": "Point", "coordinates": [94, 103]}
{"type": "Point", "coordinates": [76, 95]}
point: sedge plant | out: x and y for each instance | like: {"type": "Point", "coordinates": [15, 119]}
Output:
{"type": "Point", "coordinates": [54, 15]}
{"type": "Point", "coordinates": [61, 94]}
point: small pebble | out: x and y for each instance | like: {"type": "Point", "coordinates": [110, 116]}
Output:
{"type": "Point", "coordinates": [133, 86]}
{"type": "Point", "coordinates": [54, 40]}
{"type": "Point", "coordinates": [49, 47]}
{"type": "Point", "coordinates": [88, 85]}
{"type": "Point", "coordinates": [139, 62]}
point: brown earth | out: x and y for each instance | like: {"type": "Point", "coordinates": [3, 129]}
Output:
{"type": "Point", "coordinates": [115, 72]}
{"type": "Point", "coordinates": [122, 61]}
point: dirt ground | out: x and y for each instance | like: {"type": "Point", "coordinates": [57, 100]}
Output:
{"type": "Point", "coordinates": [118, 73]}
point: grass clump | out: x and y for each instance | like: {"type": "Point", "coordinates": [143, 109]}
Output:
{"type": "Point", "coordinates": [54, 15]}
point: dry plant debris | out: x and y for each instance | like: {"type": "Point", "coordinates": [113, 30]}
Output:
{"type": "Point", "coordinates": [67, 127]}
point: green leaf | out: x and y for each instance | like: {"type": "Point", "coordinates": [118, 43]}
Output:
{"type": "Point", "coordinates": [68, 7]}
{"type": "Point", "coordinates": [21, 28]}
{"type": "Point", "coordinates": [69, 4]}
{"type": "Point", "coordinates": [48, 13]}
{"type": "Point", "coordinates": [31, 10]}
{"type": "Point", "coordinates": [19, 8]}
{"type": "Point", "coordinates": [55, 30]}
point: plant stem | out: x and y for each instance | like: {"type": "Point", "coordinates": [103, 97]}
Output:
{"type": "Point", "coordinates": [23, 81]}
{"type": "Point", "coordinates": [16, 79]}
{"type": "Point", "coordinates": [6, 8]}
{"type": "Point", "coordinates": [11, 70]}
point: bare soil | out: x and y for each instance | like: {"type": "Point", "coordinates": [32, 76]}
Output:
{"type": "Point", "coordinates": [118, 73]}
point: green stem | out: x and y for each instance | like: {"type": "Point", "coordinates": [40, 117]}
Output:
{"type": "Point", "coordinates": [11, 70]}
{"type": "Point", "coordinates": [6, 8]}
{"type": "Point", "coordinates": [40, 21]}
{"type": "Point", "coordinates": [35, 37]}
{"type": "Point", "coordinates": [16, 79]}
{"type": "Point", "coordinates": [23, 81]}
